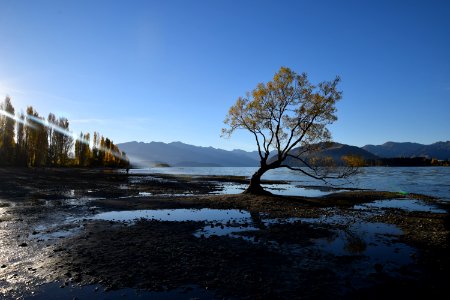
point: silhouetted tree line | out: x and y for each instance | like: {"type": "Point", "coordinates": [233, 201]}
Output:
{"type": "Point", "coordinates": [28, 140]}
{"type": "Point", "coordinates": [407, 162]}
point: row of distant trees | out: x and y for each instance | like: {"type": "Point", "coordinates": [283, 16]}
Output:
{"type": "Point", "coordinates": [407, 162]}
{"type": "Point", "coordinates": [30, 140]}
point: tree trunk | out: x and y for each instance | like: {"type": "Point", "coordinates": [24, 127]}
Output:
{"type": "Point", "coordinates": [255, 187]}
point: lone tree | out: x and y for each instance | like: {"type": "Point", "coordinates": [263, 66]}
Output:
{"type": "Point", "coordinates": [288, 117]}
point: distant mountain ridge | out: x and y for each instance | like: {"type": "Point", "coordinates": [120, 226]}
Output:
{"type": "Point", "coordinates": [335, 151]}
{"type": "Point", "coordinates": [178, 154]}
{"type": "Point", "coordinates": [438, 150]}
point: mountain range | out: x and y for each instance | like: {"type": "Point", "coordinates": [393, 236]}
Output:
{"type": "Point", "coordinates": [335, 151]}
{"type": "Point", "coordinates": [439, 150]}
{"type": "Point", "coordinates": [178, 154]}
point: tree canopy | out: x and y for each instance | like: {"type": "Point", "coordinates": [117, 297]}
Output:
{"type": "Point", "coordinates": [285, 114]}
{"type": "Point", "coordinates": [30, 140]}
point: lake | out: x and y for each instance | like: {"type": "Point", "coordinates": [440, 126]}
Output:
{"type": "Point", "coordinates": [433, 181]}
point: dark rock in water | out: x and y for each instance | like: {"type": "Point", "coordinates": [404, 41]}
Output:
{"type": "Point", "coordinates": [23, 245]}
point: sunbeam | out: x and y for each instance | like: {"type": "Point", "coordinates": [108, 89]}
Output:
{"type": "Point", "coordinates": [58, 129]}
{"type": "Point", "coordinates": [15, 118]}
{"type": "Point", "coordinates": [72, 135]}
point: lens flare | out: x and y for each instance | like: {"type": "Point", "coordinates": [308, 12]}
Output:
{"type": "Point", "coordinates": [15, 118]}
{"type": "Point", "coordinates": [71, 135]}
{"type": "Point", "coordinates": [56, 128]}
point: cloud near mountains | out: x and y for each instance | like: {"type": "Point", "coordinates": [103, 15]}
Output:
{"type": "Point", "coordinates": [184, 155]}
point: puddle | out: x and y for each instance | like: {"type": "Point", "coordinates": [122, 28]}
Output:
{"type": "Point", "coordinates": [176, 195]}
{"type": "Point", "coordinates": [230, 189]}
{"type": "Point", "coordinates": [377, 243]}
{"type": "Point", "coordinates": [224, 230]}
{"type": "Point", "coordinates": [148, 194]}
{"type": "Point", "coordinates": [404, 204]}
{"type": "Point", "coordinates": [144, 194]}
{"type": "Point", "coordinates": [63, 228]}
{"type": "Point", "coordinates": [73, 202]}
{"type": "Point", "coordinates": [148, 179]}
{"type": "Point", "coordinates": [55, 291]}
{"type": "Point", "coordinates": [291, 190]}
{"type": "Point", "coordinates": [218, 221]}
{"type": "Point", "coordinates": [46, 233]}
{"type": "Point", "coordinates": [178, 215]}
{"type": "Point", "coordinates": [278, 189]}
{"type": "Point", "coordinates": [57, 234]}
{"type": "Point", "coordinates": [123, 187]}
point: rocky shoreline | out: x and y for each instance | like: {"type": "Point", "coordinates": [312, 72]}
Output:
{"type": "Point", "coordinates": [335, 246]}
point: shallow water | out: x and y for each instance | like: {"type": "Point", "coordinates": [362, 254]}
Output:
{"type": "Point", "coordinates": [48, 234]}
{"type": "Point", "coordinates": [279, 189]}
{"type": "Point", "coordinates": [376, 242]}
{"type": "Point", "coordinates": [404, 204]}
{"type": "Point", "coordinates": [204, 214]}
{"type": "Point", "coordinates": [353, 236]}
{"type": "Point", "coordinates": [433, 181]}
{"type": "Point", "coordinates": [219, 221]}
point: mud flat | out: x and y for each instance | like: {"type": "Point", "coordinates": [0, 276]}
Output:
{"type": "Point", "coordinates": [68, 233]}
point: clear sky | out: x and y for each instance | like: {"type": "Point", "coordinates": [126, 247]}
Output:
{"type": "Point", "coordinates": [170, 70]}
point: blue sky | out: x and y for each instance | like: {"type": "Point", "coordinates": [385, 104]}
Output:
{"type": "Point", "coordinates": [170, 70]}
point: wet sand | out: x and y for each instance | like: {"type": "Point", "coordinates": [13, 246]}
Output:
{"type": "Point", "coordinates": [52, 245]}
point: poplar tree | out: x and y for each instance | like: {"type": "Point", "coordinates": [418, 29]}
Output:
{"type": "Point", "coordinates": [7, 133]}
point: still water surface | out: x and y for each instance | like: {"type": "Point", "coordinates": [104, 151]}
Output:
{"type": "Point", "coordinates": [433, 181]}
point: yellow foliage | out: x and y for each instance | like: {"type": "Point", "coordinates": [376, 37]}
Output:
{"type": "Point", "coordinates": [353, 160]}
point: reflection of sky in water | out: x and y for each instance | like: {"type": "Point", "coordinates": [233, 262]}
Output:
{"type": "Point", "coordinates": [219, 221]}
{"type": "Point", "coordinates": [375, 238]}
{"type": "Point", "coordinates": [373, 243]}
{"type": "Point", "coordinates": [57, 234]}
{"type": "Point", "coordinates": [278, 189]}
{"type": "Point", "coordinates": [376, 241]}
{"type": "Point", "coordinates": [203, 214]}
{"type": "Point", "coordinates": [404, 204]}
{"type": "Point", "coordinates": [229, 230]}
{"type": "Point", "coordinates": [145, 194]}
